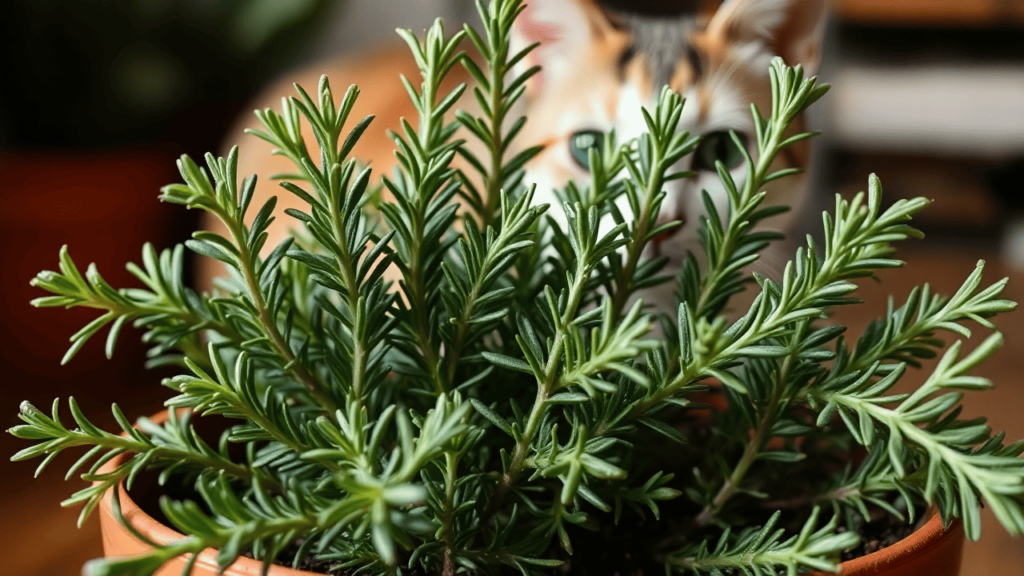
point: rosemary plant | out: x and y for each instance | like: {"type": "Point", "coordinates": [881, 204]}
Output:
{"type": "Point", "coordinates": [506, 398]}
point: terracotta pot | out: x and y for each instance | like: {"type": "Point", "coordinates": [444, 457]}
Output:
{"type": "Point", "coordinates": [119, 542]}
{"type": "Point", "coordinates": [929, 551]}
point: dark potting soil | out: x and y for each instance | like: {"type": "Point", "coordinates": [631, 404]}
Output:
{"type": "Point", "coordinates": [639, 551]}
{"type": "Point", "coordinates": [882, 531]}
{"type": "Point", "coordinates": [622, 552]}
{"type": "Point", "coordinates": [634, 548]}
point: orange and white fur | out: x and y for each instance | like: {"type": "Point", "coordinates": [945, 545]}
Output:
{"type": "Point", "coordinates": [600, 65]}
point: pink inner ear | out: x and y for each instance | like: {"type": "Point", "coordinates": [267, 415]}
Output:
{"type": "Point", "coordinates": [536, 31]}
{"type": "Point", "coordinates": [530, 30]}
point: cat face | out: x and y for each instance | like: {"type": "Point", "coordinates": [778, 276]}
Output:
{"type": "Point", "coordinates": [601, 65]}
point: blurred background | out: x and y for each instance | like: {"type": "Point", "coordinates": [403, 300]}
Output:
{"type": "Point", "coordinates": [99, 97]}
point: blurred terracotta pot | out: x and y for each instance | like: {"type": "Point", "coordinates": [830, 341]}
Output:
{"type": "Point", "coordinates": [103, 205]}
{"type": "Point", "coordinates": [929, 551]}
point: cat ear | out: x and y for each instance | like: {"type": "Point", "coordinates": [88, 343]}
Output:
{"type": "Point", "coordinates": [565, 29]}
{"type": "Point", "coordinates": [793, 29]}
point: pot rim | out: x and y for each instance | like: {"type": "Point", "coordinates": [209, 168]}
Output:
{"type": "Point", "coordinates": [929, 535]}
{"type": "Point", "coordinates": [162, 534]}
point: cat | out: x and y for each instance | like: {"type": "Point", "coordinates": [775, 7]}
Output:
{"type": "Point", "coordinates": [601, 61]}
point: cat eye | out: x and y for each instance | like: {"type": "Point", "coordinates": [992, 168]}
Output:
{"type": "Point", "coordinates": [580, 144]}
{"type": "Point", "coordinates": [718, 147]}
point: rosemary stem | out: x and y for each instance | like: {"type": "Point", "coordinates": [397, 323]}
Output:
{"type": "Point", "coordinates": [746, 460]}
{"type": "Point", "coordinates": [544, 390]}
{"type": "Point", "coordinates": [269, 324]}
{"type": "Point", "coordinates": [188, 346]}
{"type": "Point", "coordinates": [766, 157]}
{"type": "Point", "coordinates": [206, 462]}
{"type": "Point", "coordinates": [462, 328]}
{"type": "Point", "coordinates": [497, 173]}
{"type": "Point", "coordinates": [416, 281]}
{"type": "Point", "coordinates": [761, 434]}
{"type": "Point", "coordinates": [451, 475]}
{"type": "Point", "coordinates": [624, 284]}
{"type": "Point", "coordinates": [347, 265]}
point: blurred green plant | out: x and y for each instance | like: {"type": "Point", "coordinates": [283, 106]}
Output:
{"type": "Point", "coordinates": [136, 66]}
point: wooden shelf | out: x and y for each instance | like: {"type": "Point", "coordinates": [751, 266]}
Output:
{"type": "Point", "coordinates": [932, 12]}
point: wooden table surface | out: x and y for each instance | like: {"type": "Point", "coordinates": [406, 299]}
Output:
{"type": "Point", "coordinates": [39, 537]}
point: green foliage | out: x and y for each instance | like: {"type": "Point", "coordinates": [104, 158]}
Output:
{"type": "Point", "coordinates": [959, 458]}
{"type": "Point", "coordinates": [730, 244]}
{"type": "Point", "coordinates": [762, 551]}
{"type": "Point", "coordinates": [506, 395]}
{"type": "Point", "coordinates": [496, 93]}
{"type": "Point", "coordinates": [658, 151]}
{"type": "Point", "coordinates": [171, 313]}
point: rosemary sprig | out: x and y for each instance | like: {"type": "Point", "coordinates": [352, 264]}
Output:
{"type": "Point", "coordinates": [496, 92]}
{"type": "Point", "coordinates": [423, 210]}
{"type": "Point", "coordinates": [171, 313]}
{"type": "Point", "coordinates": [263, 298]}
{"type": "Point", "coordinates": [659, 150]}
{"type": "Point", "coordinates": [732, 244]}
